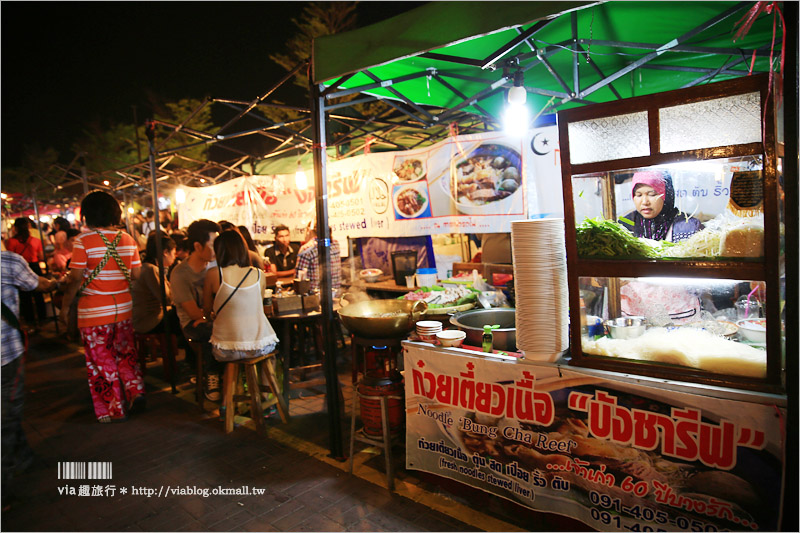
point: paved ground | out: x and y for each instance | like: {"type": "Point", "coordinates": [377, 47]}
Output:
{"type": "Point", "coordinates": [174, 446]}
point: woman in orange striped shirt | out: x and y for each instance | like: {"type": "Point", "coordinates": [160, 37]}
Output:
{"type": "Point", "coordinates": [109, 260]}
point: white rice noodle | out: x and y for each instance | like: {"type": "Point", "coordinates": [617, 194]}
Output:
{"type": "Point", "coordinates": [685, 347]}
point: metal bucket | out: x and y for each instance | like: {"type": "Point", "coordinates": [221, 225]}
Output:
{"type": "Point", "coordinates": [472, 323]}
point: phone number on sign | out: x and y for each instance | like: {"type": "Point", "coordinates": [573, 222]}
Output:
{"type": "Point", "coordinates": [639, 512]}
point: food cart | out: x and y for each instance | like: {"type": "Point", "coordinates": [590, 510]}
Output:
{"type": "Point", "coordinates": [673, 425]}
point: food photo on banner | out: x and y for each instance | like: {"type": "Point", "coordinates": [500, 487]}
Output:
{"type": "Point", "coordinates": [613, 454]}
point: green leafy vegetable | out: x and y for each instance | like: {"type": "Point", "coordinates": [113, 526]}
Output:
{"type": "Point", "coordinates": [596, 237]}
{"type": "Point", "coordinates": [626, 220]}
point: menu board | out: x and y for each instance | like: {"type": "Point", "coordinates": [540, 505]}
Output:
{"type": "Point", "coordinates": [615, 455]}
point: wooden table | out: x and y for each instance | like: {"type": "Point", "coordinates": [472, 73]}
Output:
{"type": "Point", "coordinates": [283, 324]}
{"type": "Point", "coordinates": [272, 280]}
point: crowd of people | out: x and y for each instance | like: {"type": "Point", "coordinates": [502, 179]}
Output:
{"type": "Point", "coordinates": [110, 273]}
{"type": "Point", "coordinates": [106, 277]}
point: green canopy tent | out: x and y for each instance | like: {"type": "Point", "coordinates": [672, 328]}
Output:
{"type": "Point", "coordinates": [453, 62]}
{"type": "Point", "coordinates": [447, 54]}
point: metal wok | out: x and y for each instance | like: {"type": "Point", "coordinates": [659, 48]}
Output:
{"type": "Point", "coordinates": [379, 319]}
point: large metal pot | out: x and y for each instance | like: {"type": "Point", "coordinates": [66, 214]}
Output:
{"type": "Point", "coordinates": [472, 323]}
{"type": "Point", "coordinates": [379, 319]}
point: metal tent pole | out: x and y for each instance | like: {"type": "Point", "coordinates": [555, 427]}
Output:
{"type": "Point", "coordinates": [150, 131]}
{"type": "Point", "coordinates": [332, 392]}
{"type": "Point", "coordinates": [83, 174]}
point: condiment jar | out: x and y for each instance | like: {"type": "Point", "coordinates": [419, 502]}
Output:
{"type": "Point", "coordinates": [488, 339]}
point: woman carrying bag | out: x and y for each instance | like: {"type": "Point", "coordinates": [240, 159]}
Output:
{"type": "Point", "coordinates": [241, 330]}
{"type": "Point", "coordinates": [106, 260]}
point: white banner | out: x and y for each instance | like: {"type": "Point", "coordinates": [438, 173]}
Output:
{"type": "Point", "coordinates": [467, 184]}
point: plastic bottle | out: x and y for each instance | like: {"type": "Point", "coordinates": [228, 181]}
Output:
{"type": "Point", "coordinates": [278, 289]}
{"type": "Point", "coordinates": [488, 338]}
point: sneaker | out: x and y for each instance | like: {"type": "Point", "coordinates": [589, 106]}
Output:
{"type": "Point", "coordinates": [211, 391]}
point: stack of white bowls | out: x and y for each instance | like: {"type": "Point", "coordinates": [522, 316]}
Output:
{"type": "Point", "coordinates": [427, 330]}
{"type": "Point", "coordinates": [540, 282]}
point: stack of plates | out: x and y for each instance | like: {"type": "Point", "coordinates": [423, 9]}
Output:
{"type": "Point", "coordinates": [540, 282]}
{"type": "Point", "coordinates": [427, 329]}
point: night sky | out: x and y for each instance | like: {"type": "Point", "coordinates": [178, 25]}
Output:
{"type": "Point", "coordinates": [65, 64]}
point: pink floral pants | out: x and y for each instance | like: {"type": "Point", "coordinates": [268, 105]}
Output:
{"type": "Point", "coordinates": [115, 377]}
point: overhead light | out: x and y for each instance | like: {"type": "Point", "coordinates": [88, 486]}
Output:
{"type": "Point", "coordinates": [300, 178]}
{"type": "Point", "coordinates": [515, 116]}
{"type": "Point", "coordinates": [71, 217]}
{"type": "Point", "coordinates": [3, 196]}
{"type": "Point", "coordinates": [202, 180]}
{"type": "Point", "coordinates": [180, 196]}
{"type": "Point", "coordinates": [45, 218]}
{"type": "Point", "coordinates": [105, 182]}
{"type": "Point", "coordinates": [130, 210]}
{"type": "Point", "coordinates": [517, 95]}
{"type": "Point", "coordinates": [515, 120]}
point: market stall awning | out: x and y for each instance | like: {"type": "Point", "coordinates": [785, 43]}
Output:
{"type": "Point", "coordinates": [431, 26]}
{"type": "Point", "coordinates": [570, 53]}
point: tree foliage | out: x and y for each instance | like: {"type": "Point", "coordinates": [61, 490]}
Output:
{"type": "Point", "coordinates": [319, 19]}
{"type": "Point", "coordinates": [109, 147]}
{"type": "Point", "coordinates": [37, 161]}
{"type": "Point", "coordinates": [175, 113]}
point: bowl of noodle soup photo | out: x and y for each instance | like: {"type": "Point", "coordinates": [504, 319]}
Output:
{"type": "Point", "coordinates": [488, 181]}
{"type": "Point", "coordinates": [411, 200]}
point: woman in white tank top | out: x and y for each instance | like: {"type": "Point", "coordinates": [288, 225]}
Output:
{"type": "Point", "coordinates": [241, 330]}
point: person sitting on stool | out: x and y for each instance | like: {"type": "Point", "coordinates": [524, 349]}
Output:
{"type": "Point", "coordinates": [186, 282]}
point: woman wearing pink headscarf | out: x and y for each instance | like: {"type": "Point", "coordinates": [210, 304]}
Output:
{"type": "Point", "coordinates": [656, 216]}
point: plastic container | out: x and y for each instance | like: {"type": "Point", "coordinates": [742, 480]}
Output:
{"type": "Point", "coordinates": [426, 277]}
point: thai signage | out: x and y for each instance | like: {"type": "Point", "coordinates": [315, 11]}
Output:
{"type": "Point", "coordinates": [466, 184]}
{"type": "Point", "coordinates": [615, 455]}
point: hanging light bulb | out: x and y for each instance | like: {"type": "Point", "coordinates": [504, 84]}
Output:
{"type": "Point", "coordinates": [130, 210]}
{"type": "Point", "coordinates": [515, 116]}
{"type": "Point", "coordinates": [517, 95]}
{"type": "Point", "coordinates": [300, 179]}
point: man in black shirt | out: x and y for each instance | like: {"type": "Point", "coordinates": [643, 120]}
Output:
{"type": "Point", "coordinates": [283, 254]}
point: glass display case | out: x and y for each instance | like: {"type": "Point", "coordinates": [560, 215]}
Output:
{"type": "Point", "coordinates": [673, 235]}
